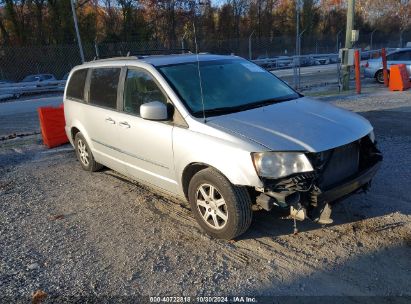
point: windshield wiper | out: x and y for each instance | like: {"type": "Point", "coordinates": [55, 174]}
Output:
{"type": "Point", "coordinates": [253, 105]}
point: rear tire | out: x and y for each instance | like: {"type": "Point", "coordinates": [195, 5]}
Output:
{"type": "Point", "coordinates": [84, 155]}
{"type": "Point", "coordinates": [222, 209]}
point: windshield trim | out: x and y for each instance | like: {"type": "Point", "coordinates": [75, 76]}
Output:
{"type": "Point", "coordinates": [199, 114]}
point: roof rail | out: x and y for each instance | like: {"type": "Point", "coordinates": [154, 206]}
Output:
{"type": "Point", "coordinates": [147, 53]}
{"type": "Point", "coordinates": [117, 58]}
{"type": "Point", "coordinates": [160, 52]}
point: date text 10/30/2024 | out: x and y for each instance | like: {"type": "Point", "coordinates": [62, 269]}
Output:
{"type": "Point", "coordinates": [234, 299]}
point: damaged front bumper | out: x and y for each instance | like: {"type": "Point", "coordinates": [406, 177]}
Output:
{"type": "Point", "coordinates": [338, 173]}
{"type": "Point", "coordinates": [351, 186]}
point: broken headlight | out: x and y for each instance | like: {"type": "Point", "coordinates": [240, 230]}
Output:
{"type": "Point", "coordinates": [280, 164]}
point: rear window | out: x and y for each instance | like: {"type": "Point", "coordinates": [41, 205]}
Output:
{"type": "Point", "coordinates": [75, 88]}
{"type": "Point", "coordinates": [400, 56]}
{"type": "Point", "coordinates": [103, 87]}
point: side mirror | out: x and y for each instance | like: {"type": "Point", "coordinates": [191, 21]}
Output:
{"type": "Point", "coordinates": [154, 110]}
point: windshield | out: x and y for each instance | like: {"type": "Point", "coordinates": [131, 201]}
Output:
{"type": "Point", "coordinates": [228, 85]}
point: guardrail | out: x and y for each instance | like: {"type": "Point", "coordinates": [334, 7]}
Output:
{"type": "Point", "coordinates": [284, 62]}
{"type": "Point", "coordinates": [15, 90]}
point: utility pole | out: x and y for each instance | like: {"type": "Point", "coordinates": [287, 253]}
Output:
{"type": "Point", "coordinates": [73, 8]}
{"type": "Point", "coordinates": [348, 43]}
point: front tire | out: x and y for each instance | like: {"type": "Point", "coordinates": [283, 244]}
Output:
{"type": "Point", "coordinates": [84, 155]}
{"type": "Point", "coordinates": [221, 209]}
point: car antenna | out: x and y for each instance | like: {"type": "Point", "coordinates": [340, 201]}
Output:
{"type": "Point", "coordinates": [199, 72]}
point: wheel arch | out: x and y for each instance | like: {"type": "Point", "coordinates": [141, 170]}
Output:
{"type": "Point", "coordinates": [73, 132]}
{"type": "Point", "coordinates": [76, 128]}
{"type": "Point", "coordinates": [192, 169]}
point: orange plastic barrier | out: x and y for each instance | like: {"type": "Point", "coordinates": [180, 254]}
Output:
{"type": "Point", "coordinates": [52, 124]}
{"type": "Point", "coordinates": [399, 78]}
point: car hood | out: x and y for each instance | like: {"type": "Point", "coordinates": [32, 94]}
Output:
{"type": "Point", "coordinates": [296, 125]}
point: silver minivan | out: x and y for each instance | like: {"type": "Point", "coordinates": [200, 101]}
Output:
{"type": "Point", "coordinates": [220, 132]}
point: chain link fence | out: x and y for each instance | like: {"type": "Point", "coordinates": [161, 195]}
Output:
{"type": "Point", "coordinates": [318, 64]}
{"type": "Point", "coordinates": [18, 62]}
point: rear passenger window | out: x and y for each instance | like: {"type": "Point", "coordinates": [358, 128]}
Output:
{"type": "Point", "coordinates": [140, 88]}
{"type": "Point", "coordinates": [405, 56]}
{"type": "Point", "coordinates": [400, 56]}
{"type": "Point", "coordinates": [75, 88]}
{"type": "Point", "coordinates": [103, 87]}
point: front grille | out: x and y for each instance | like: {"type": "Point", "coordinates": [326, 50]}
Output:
{"type": "Point", "coordinates": [343, 162]}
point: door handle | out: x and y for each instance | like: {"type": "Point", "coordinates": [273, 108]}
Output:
{"type": "Point", "coordinates": [110, 120]}
{"type": "Point", "coordinates": [124, 124]}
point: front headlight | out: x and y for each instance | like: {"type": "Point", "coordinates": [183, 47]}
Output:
{"type": "Point", "coordinates": [280, 164]}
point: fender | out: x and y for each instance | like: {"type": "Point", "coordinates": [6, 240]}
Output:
{"type": "Point", "coordinates": [224, 155]}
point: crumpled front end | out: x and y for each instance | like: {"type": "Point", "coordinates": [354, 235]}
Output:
{"type": "Point", "coordinates": [338, 173]}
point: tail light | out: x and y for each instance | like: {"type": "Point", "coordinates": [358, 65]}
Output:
{"type": "Point", "coordinates": [367, 64]}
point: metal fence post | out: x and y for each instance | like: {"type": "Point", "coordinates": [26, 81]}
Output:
{"type": "Point", "coordinates": [339, 74]}
{"type": "Point", "coordinates": [299, 58]}
{"type": "Point", "coordinates": [298, 6]}
{"type": "Point", "coordinates": [338, 40]}
{"type": "Point", "coordinates": [401, 38]}
{"type": "Point", "coordinates": [250, 55]}
{"type": "Point", "coordinates": [182, 43]}
{"type": "Point", "coordinates": [77, 30]}
{"type": "Point", "coordinates": [372, 34]}
{"type": "Point", "coordinates": [96, 49]}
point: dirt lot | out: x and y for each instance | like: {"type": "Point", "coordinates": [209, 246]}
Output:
{"type": "Point", "coordinates": [72, 233]}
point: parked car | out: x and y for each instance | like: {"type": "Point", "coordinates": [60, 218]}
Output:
{"type": "Point", "coordinates": [307, 61]}
{"type": "Point", "coordinates": [4, 81]}
{"type": "Point", "coordinates": [234, 140]}
{"type": "Point", "coordinates": [373, 67]}
{"type": "Point", "coordinates": [39, 78]}
{"type": "Point", "coordinates": [321, 60]}
{"type": "Point", "coordinates": [268, 63]}
{"type": "Point", "coordinates": [263, 61]}
{"type": "Point", "coordinates": [284, 61]}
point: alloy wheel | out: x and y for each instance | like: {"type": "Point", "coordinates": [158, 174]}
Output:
{"type": "Point", "coordinates": [212, 206]}
{"type": "Point", "coordinates": [83, 152]}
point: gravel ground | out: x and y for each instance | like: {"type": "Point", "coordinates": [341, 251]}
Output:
{"type": "Point", "coordinates": [72, 233]}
